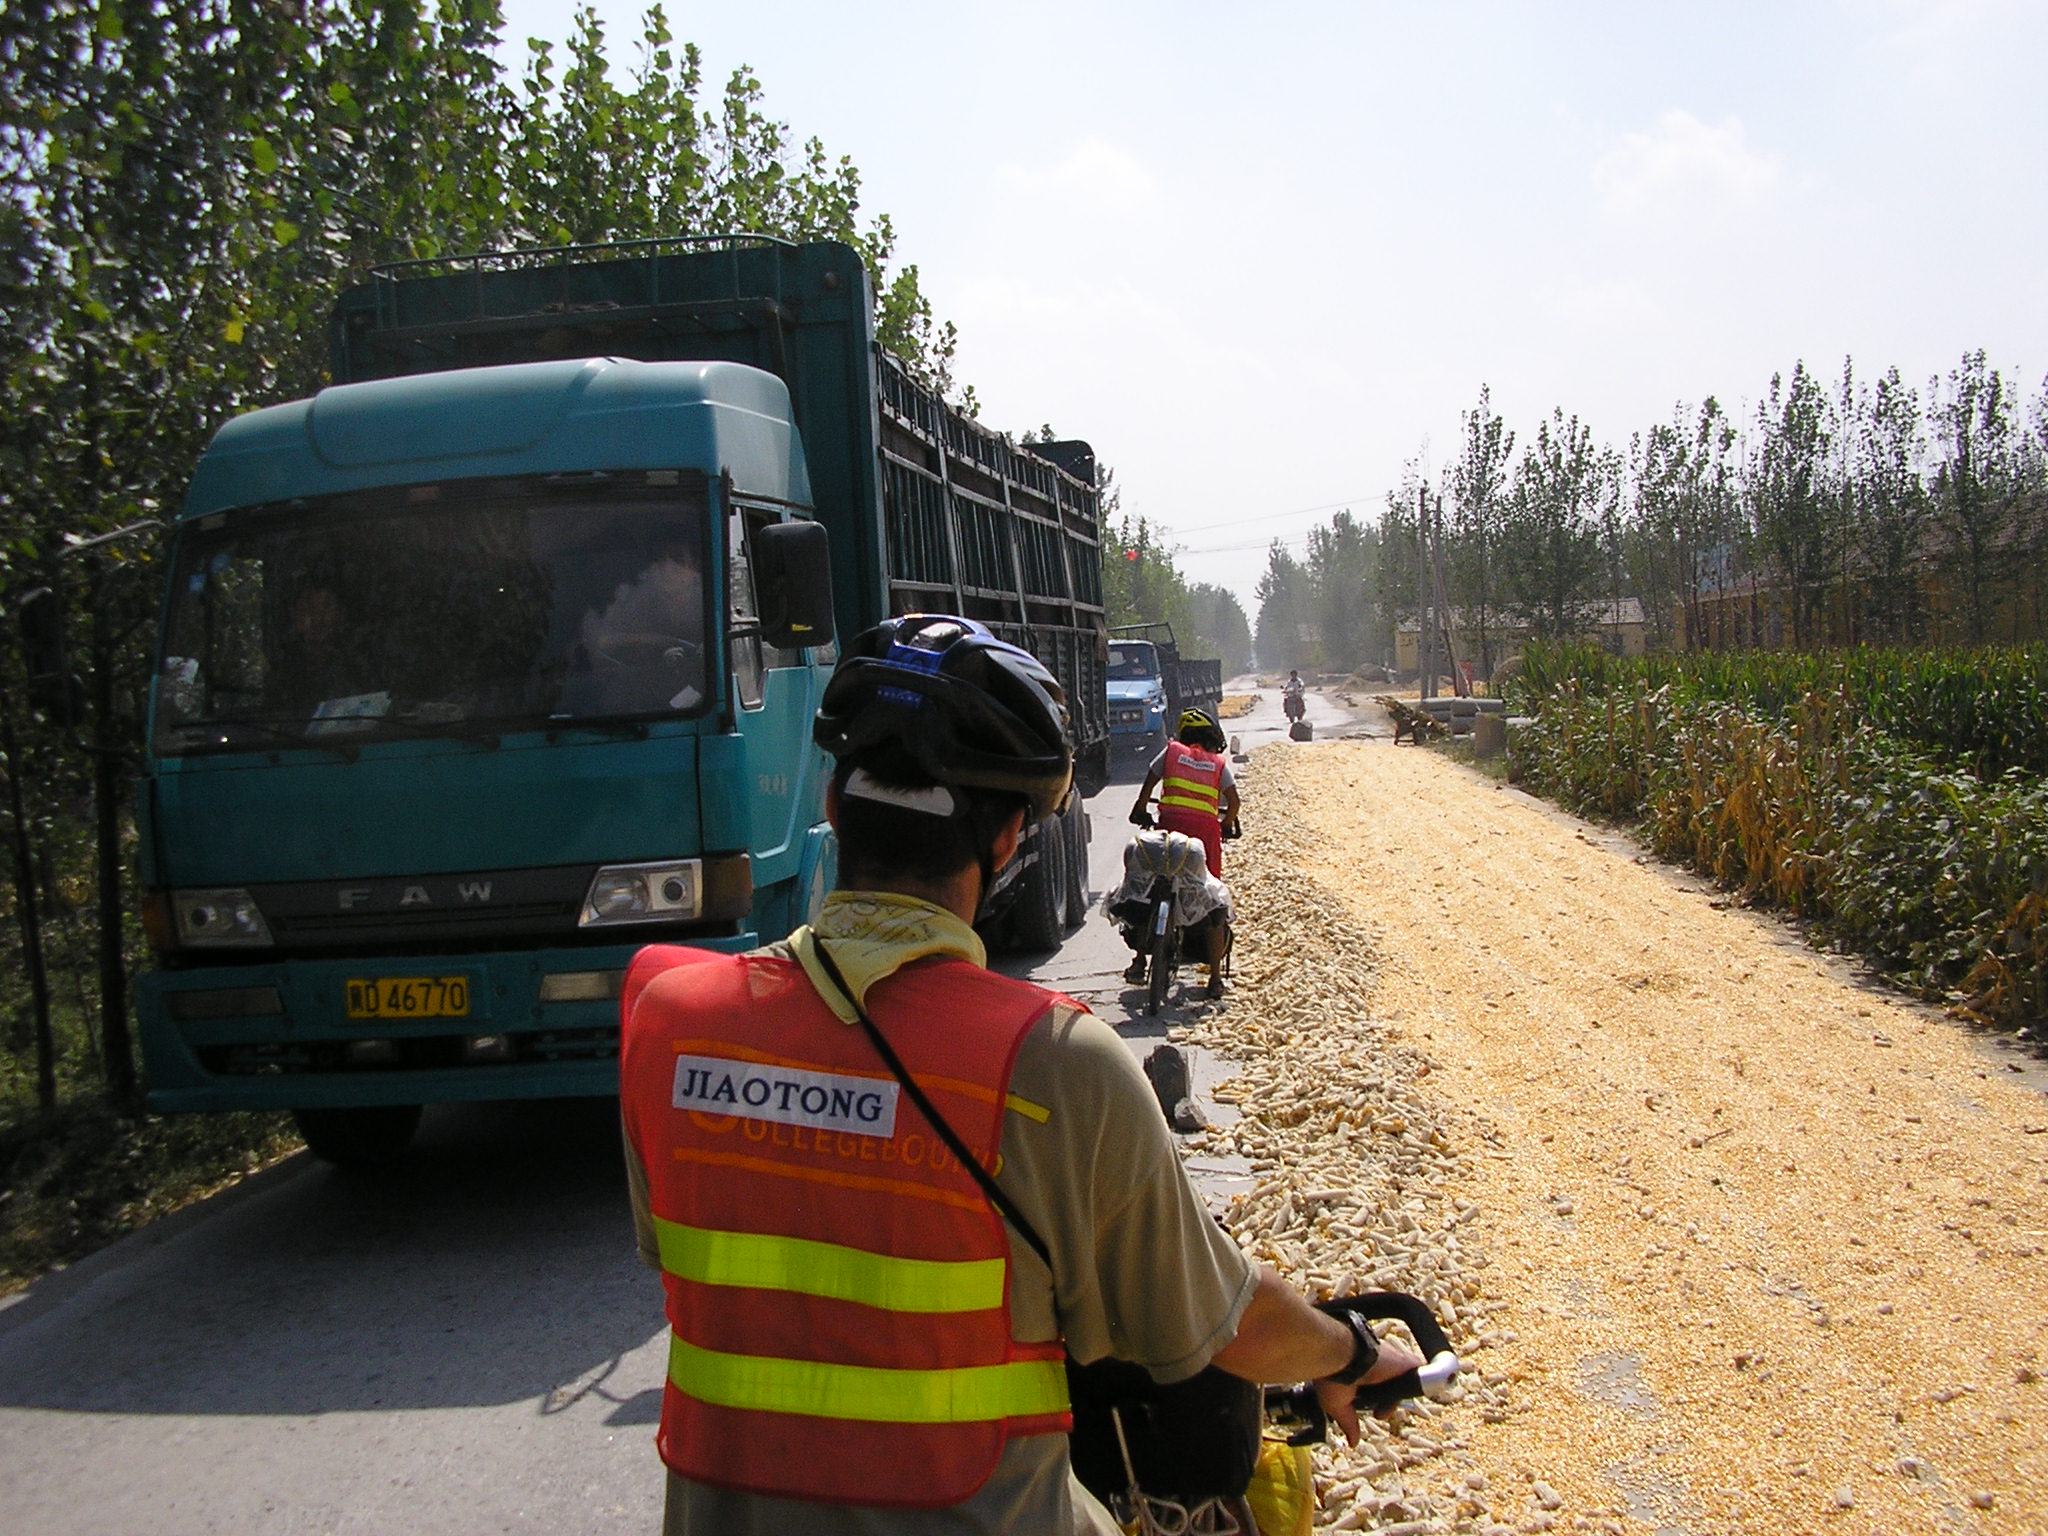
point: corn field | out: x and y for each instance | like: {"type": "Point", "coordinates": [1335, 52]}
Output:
{"type": "Point", "coordinates": [1895, 799]}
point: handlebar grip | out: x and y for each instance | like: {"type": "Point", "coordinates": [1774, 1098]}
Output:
{"type": "Point", "coordinates": [1440, 1367]}
{"type": "Point", "coordinates": [1439, 1372]}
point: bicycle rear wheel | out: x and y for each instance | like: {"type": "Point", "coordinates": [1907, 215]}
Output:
{"type": "Point", "coordinates": [1164, 961]}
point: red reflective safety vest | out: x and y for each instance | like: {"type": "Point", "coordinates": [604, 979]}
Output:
{"type": "Point", "coordinates": [838, 1285]}
{"type": "Point", "coordinates": [1193, 780]}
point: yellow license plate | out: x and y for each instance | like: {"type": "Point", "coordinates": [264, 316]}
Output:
{"type": "Point", "coordinates": [409, 997]}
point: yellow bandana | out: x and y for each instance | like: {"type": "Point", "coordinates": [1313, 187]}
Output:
{"type": "Point", "coordinates": [874, 934]}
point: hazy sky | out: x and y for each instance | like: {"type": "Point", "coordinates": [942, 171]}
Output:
{"type": "Point", "coordinates": [1263, 256]}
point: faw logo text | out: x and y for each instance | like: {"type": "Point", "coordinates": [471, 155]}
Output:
{"type": "Point", "coordinates": [827, 1101]}
{"type": "Point", "coordinates": [459, 893]}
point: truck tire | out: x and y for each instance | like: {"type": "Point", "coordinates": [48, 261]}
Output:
{"type": "Point", "coordinates": [1077, 865]}
{"type": "Point", "coordinates": [1094, 769]}
{"type": "Point", "coordinates": [1036, 918]}
{"type": "Point", "coordinates": [368, 1136]}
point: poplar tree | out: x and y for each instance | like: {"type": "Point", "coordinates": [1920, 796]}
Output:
{"type": "Point", "coordinates": [1478, 481]}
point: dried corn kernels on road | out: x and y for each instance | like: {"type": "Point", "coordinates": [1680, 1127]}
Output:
{"type": "Point", "coordinates": [1731, 1241]}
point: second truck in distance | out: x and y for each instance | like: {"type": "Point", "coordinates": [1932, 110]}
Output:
{"type": "Point", "coordinates": [1149, 684]}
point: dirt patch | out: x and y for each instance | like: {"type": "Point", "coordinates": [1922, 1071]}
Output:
{"type": "Point", "coordinates": [1763, 1246]}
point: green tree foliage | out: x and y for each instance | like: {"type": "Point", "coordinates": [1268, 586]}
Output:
{"type": "Point", "coordinates": [1142, 584]}
{"type": "Point", "coordinates": [1980, 472]}
{"type": "Point", "coordinates": [1685, 518]}
{"type": "Point", "coordinates": [1220, 627]}
{"type": "Point", "coordinates": [1343, 570]}
{"type": "Point", "coordinates": [1478, 482]}
{"type": "Point", "coordinates": [1790, 504]}
{"type": "Point", "coordinates": [1888, 506]}
{"type": "Point", "coordinates": [1286, 635]}
{"type": "Point", "coordinates": [1551, 554]}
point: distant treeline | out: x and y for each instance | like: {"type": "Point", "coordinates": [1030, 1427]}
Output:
{"type": "Point", "coordinates": [1862, 511]}
{"type": "Point", "coordinates": [1142, 583]}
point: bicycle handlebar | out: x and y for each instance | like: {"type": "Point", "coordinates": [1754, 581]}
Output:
{"type": "Point", "coordinates": [1433, 1379]}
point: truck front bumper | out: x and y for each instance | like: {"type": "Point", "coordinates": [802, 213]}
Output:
{"type": "Point", "coordinates": [535, 1024]}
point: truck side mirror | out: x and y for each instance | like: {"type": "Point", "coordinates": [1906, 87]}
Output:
{"type": "Point", "coordinates": [52, 690]}
{"type": "Point", "coordinates": [793, 583]}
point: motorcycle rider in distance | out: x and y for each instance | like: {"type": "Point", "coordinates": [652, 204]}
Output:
{"type": "Point", "coordinates": [1198, 796]}
{"type": "Point", "coordinates": [1291, 696]}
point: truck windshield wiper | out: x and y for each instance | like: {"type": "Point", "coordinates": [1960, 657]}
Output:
{"type": "Point", "coordinates": [271, 731]}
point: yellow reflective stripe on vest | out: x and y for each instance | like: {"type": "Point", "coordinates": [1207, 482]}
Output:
{"type": "Point", "coordinates": [971, 1394]}
{"type": "Point", "coordinates": [1193, 794]}
{"type": "Point", "coordinates": [837, 1273]}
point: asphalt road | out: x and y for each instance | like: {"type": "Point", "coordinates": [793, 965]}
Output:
{"type": "Point", "coordinates": [466, 1345]}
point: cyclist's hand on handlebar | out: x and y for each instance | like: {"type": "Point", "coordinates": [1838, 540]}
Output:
{"type": "Point", "coordinates": [1395, 1359]}
{"type": "Point", "coordinates": [1141, 815]}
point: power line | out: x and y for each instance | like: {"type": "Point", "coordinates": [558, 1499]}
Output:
{"type": "Point", "coordinates": [1226, 549]}
{"type": "Point", "coordinates": [1273, 517]}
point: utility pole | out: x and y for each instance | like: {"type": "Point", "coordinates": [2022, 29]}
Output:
{"type": "Point", "coordinates": [1426, 617]}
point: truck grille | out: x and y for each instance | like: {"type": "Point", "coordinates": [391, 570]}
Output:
{"type": "Point", "coordinates": [447, 911]}
{"type": "Point", "coordinates": [410, 1054]}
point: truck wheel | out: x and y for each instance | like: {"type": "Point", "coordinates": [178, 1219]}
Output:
{"type": "Point", "coordinates": [1035, 919]}
{"type": "Point", "coordinates": [1076, 841]}
{"type": "Point", "coordinates": [370, 1136]}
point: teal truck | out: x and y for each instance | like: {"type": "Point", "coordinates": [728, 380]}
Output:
{"type": "Point", "coordinates": [1149, 683]}
{"type": "Point", "coordinates": [496, 660]}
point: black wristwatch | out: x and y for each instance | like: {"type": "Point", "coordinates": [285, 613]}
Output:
{"type": "Point", "coordinates": [1365, 1350]}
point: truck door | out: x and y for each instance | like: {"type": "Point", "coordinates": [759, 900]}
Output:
{"type": "Point", "coordinates": [775, 696]}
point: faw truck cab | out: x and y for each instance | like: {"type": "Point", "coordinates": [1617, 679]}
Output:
{"type": "Point", "coordinates": [497, 659]}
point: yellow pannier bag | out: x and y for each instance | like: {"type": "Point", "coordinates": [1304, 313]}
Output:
{"type": "Point", "coordinates": [1282, 1494]}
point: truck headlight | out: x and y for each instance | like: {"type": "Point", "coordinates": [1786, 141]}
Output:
{"type": "Point", "coordinates": [672, 891]}
{"type": "Point", "coordinates": [227, 919]}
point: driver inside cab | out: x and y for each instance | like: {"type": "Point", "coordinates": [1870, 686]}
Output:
{"type": "Point", "coordinates": [644, 650]}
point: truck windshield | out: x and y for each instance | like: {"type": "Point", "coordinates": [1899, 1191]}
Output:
{"type": "Point", "coordinates": [1132, 661]}
{"type": "Point", "coordinates": [441, 609]}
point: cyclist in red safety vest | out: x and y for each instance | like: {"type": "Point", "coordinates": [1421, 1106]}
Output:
{"type": "Point", "coordinates": [1197, 793]}
{"type": "Point", "coordinates": [888, 1189]}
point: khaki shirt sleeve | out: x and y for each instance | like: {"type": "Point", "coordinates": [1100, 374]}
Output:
{"type": "Point", "coordinates": [1141, 1271]}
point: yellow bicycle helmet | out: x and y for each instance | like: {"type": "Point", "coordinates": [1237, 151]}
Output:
{"type": "Point", "coordinates": [1198, 728]}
